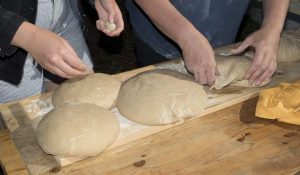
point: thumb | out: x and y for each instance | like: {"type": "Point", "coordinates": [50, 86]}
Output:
{"type": "Point", "coordinates": [244, 45]}
{"type": "Point", "coordinates": [110, 8]}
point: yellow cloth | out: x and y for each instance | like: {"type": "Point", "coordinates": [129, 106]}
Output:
{"type": "Point", "coordinates": [281, 103]}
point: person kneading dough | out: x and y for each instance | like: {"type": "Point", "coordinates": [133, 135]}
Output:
{"type": "Point", "coordinates": [161, 96]}
{"type": "Point", "coordinates": [77, 130]}
{"type": "Point", "coordinates": [98, 88]}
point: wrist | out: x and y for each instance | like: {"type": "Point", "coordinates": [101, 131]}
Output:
{"type": "Point", "coordinates": [25, 35]}
{"type": "Point", "coordinates": [189, 37]}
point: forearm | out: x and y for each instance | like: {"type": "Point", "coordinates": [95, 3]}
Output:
{"type": "Point", "coordinates": [24, 35]}
{"type": "Point", "coordinates": [274, 14]}
{"type": "Point", "coordinates": [166, 17]}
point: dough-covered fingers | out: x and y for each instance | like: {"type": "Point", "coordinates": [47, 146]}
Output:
{"type": "Point", "coordinates": [270, 70]}
{"type": "Point", "coordinates": [255, 67]}
{"type": "Point", "coordinates": [203, 77]}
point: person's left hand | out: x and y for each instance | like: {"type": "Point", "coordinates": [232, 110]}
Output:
{"type": "Point", "coordinates": [265, 42]}
{"type": "Point", "coordinates": [109, 11]}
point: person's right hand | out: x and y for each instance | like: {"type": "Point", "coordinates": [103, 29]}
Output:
{"type": "Point", "coordinates": [50, 50]}
{"type": "Point", "coordinates": [199, 59]}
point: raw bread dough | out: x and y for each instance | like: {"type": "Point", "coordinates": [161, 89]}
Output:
{"type": "Point", "coordinates": [281, 102]}
{"type": "Point", "coordinates": [159, 97]}
{"type": "Point", "coordinates": [232, 70]}
{"type": "Point", "coordinates": [288, 50]}
{"type": "Point", "coordinates": [110, 26]}
{"type": "Point", "coordinates": [77, 130]}
{"type": "Point", "coordinates": [289, 47]}
{"type": "Point", "coordinates": [98, 88]}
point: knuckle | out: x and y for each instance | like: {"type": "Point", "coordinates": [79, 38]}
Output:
{"type": "Point", "coordinates": [52, 60]}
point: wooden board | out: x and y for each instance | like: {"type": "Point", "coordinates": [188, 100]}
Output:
{"type": "Point", "coordinates": [230, 141]}
{"type": "Point", "coordinates": [20, 118]}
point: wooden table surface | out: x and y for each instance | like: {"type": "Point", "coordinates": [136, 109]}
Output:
{"type": "Point", "coordinates": [230, 141]}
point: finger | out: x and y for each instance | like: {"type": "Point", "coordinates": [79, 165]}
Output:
{"type": "Point", "coordinates": [244, 45]}
{"type": "Point", "coordinates": [202, 77]}
{"type": "Point", "coordinates": [119, 23]}
{"type": "Point", "coordinates": [101, 26]}
{"type": "Point", "coordinates": [102, 13]}
{"type": "Point", "coordinates": [111, 14]}
{"type": "Point", "coordinates": [67, 69]}
{"type": "Point", "coordinates": [211, 76]}
{"type": "Point", "coordinates": [261, 67]}
{"type": "Point", "coordinates": [196, 76]}
{"type": "Point", "coordinates": [55, 70]}
{"type": "Point", "coordinates": [72, 59]}
{"type": "Point", "coordinates": [257, 60]}
{"type": "Point", "coordinates": [267, 74]}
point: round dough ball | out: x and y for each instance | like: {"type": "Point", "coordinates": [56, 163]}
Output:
{"type": "Point", "coordinates": [98, 88]}
{"type": "Point", "coordinates": [159, 97]}
{"type": "Point", "coordinates": [77, 130]}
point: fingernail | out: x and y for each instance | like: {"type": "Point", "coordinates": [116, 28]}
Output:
{"type": "Point", "coordinates": [257, 83]}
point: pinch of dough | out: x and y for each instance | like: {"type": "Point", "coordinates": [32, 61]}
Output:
{"type": "Point", "coordinates": [232, 69]}
{"type": "Point", "coordinates": [110, 26]}
{"type": "Point", "coordinates": [77, 130]}
{"type": "Point", "coordinates": [281, 103]}
{"type": "Point", "coordinates": [98, 88]}
{"type": "Point", "coordinates": [161, 96]}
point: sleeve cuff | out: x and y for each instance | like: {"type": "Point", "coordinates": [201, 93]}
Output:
{"type": "Point", "coordinates": [9, 24]}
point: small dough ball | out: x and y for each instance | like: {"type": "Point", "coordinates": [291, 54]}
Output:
{"type": "Point", "coordinates": [77, 130]}
{"type": "Point", "coordinates": [98, 88]}
{"type": "Point", "coordinates": [161, 96]}
{"type": "Point", "coordinates": [110, 26]}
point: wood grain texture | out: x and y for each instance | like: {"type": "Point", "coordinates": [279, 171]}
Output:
{"type": "Point", "coordinates": [10, 159]}
{"type": "Point", "coordinates": [230, 141]}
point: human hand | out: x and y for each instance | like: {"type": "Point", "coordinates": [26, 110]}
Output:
{"type": "Point", "coordinates": [51, 51]}
{"type": "Point", "coordinates": [199, 59]}
{"type": "Point", "coordinates": [265, 42]}
{"type": "Point", "coordinates": [109, 11]}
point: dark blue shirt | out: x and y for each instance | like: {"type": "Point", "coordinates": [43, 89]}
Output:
{"type": "Point", "coordinates": [217, 20]}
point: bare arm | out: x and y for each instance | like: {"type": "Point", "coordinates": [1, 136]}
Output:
{"type": "Point", "coordinates": [266, 41]}
{"type": "Point", "coordinates": [196, 50]}
{"type": "Point", "coordinates": [50, 50]}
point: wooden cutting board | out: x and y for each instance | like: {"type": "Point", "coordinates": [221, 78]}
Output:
{"type": "Point", "coordinates": [22, 117]}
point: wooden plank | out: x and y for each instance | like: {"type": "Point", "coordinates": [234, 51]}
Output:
{"type": "Point", "coordinates": [10, 159]}
{"type": "Point", "coordinates": [230, 141]}
{"type": "Point", "coordinates": [21, 117]}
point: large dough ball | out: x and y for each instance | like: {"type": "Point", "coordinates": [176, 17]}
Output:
{"type": "Point", "coordinates": [77, 130]}
{"type": "Point", "coordinates": [160, 97]}
{"type": "Point", "coordinates": [98, 88]}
